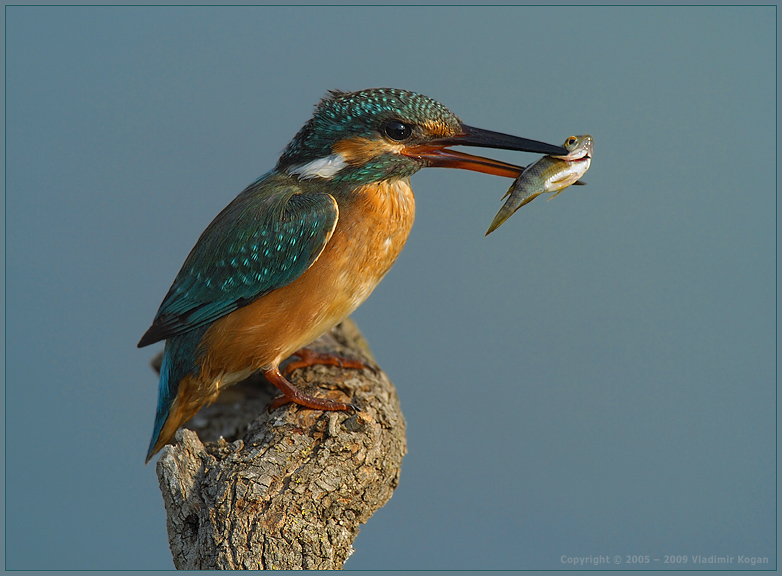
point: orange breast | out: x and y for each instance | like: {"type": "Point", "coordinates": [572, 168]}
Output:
{"type": "Point", "coordinates": [371, 230]}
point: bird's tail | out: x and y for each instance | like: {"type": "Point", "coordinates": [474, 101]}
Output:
{"type": "Point", "coordinates": [178, 366]}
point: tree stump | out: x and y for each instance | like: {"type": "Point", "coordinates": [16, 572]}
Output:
{"type": "Point", "coordinates": [287, 489]}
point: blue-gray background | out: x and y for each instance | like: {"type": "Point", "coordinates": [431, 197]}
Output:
{"type": "Point", "coordinates": [597, 377]}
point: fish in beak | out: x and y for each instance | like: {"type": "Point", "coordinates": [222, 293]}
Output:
{"type": "Point", "coordinates": [437, 152]}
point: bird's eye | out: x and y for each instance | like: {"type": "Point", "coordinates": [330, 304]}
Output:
{"type": "Point", "coordinates": [397, 130]}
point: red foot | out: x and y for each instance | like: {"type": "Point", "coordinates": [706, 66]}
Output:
{"type": "Point", "coordinates": [309, 357]}
{"type": "Point", "coordinates": [293, 394]}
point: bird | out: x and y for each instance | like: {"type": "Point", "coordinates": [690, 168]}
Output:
{"type": "Point", "coordinates": [301, 247]}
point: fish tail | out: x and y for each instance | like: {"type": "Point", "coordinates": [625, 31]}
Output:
{"type": "Point", "coordinates": [501, 216]}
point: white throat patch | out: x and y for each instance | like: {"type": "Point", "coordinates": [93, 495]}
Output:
{"type": "Point", "coordinates": [320, 168]}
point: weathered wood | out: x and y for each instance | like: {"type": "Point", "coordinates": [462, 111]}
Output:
{"type": "Point", "coordinates": [286, 490]}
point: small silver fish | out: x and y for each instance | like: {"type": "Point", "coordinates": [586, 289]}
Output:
{"type": "Point", "coordinates": [549, 174]}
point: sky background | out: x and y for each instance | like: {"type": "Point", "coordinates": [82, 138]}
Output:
{"type": "Point", "coordinates": [597, 377]}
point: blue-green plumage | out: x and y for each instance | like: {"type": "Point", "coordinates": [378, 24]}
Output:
{"type": "Point", "coordinates": [266, 238]}
{"type": "Point", "coordinates": [179, 360]}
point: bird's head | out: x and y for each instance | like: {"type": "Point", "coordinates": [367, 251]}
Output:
{"type": "Point", "coordinates": [385, 133]}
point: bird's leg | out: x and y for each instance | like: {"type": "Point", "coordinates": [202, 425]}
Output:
{"type": "Point", "coordinates": [293, 394]}
{"type": "Point", "coordinates": [309, 357]}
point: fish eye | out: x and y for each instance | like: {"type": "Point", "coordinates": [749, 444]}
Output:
{"type": "Point", "coordinates": [571, 141]}
{"type": "Point", "coordinates": [397, 130]}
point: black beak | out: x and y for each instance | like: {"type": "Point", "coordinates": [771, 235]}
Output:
{"type": "Point", "coordinates": [481, 138]}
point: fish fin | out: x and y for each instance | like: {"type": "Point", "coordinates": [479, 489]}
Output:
{"type": "Point", "coordinates": [564, 178]}
{"type": "Point", "coordinates": [529, 199]}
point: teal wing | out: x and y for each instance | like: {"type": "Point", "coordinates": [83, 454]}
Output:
{"type": "Point", "coordinates": [264, 239]}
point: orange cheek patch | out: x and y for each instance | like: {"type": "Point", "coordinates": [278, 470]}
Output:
{"type": "Point", "coordinates": [359, 150]}
{"type": "Point", "coordinates": [438, 129]}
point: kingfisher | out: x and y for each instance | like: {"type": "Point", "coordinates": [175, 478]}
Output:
{"type": "Point", "coordinates": [304, 245]}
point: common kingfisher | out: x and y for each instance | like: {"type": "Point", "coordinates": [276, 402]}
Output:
{"type": "Point", "coordinates": [304, 245]}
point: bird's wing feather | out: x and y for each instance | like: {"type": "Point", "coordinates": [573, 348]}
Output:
{"type": "Point", "coordinates": [259, 242]}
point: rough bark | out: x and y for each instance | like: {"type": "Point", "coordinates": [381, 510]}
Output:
{"type": "Point", "coordinates": [287, 489]}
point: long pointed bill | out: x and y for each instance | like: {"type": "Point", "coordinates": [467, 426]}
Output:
{"type": "Point", "coordinates": [440, 157]}
{"type": "Point", "coordinates": [437, 154]}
